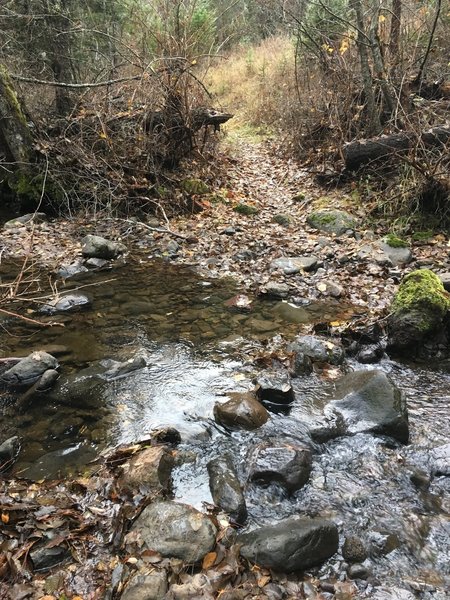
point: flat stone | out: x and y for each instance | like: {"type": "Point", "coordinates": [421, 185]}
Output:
{"type": "Point", "coordinates": [67, 303]}
{"type": "Point", "coordinates": [146, 585]}
{"type": "Point", "coordinates": [290, 545]}
{"type": "Point", "coordinates": [369, 402]}
{"type": "Point", "coordinates": [174, 530]}
{"type": "Point", "coordinates": [293, 265]}
{"type": "Point", "coordinates": [318, 349]}
{"type": "Point", "coordinates": [94, 246]}
{"type": "Point", "coordinates": [72, 270]}
{"type": "Point", "coordinates": [25, 219]}
{"type": "Point", "coordinates": [28, 370]}
{"type": "Point", "coordinates": [226, 489]}
{"type": "Point", "coordinates": [273, 289]}
{"type": "Point", "coordinates": [332, 221]}
{"type": "Point", "coordinates": [242, 411]}
{"type": "Point", "coordinates": [395, 256]}
{"type": "Point", "coordinates": [148, 470]}
{"type": "Point", "coordinates": [285, 463]}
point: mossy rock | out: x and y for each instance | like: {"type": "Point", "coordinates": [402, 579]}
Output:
{"type": "Point", "coordinates": [195, 187]}
{"type": "Point", "coordinates": [246, 209]}
{"type": "Point", "coordinates": [282, 219]}
{"type": "Point", "coordinates": [418, 311]}
{"type": "Point", "coordinates": [395, 242]}
{"type": "Point", "coordinates": [332, 221]}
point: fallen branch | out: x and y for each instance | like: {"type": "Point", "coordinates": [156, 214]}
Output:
{"type": "Point", "coordinates": [29, 320]}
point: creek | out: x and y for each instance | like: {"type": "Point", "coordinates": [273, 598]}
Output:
{"type": "Point", "coordinates": [197, 348]}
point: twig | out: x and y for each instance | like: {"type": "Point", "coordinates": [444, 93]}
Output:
{"type": "Point", "coordinates": [158, 229]}
{"type": "Point", "coordinates": [17, 316]}
{"type": "Point", "coordinates": [78, 86]}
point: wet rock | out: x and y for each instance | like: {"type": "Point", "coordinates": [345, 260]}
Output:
{"type": "Point", "coordinates": [369, 402]}
{"type": "Point", "coordinates": [317, 349]}
{"type": "Point", "coordinates": [67, 303]}
{"type": "Point", "coordinates": [94, 246]}
{"type": "Point", "coordinates": [354, 550]}
{"type": "Point", "coordinates": [120, 369]}
{"type": "Point", "coordinates": [302, 364]}
{"type": "Point", "coordinates": [276, 290]}
{"type": "Point", "coordinates": [383, 543]}
{"type": "Point", "coordinates": [97, 263]}
{"type": "Point", "coordinates": [47, 380]}
{"type": "Point", "coordinates": [292, 313]}
{"type": "Point", "coordinates": [285, 463]}
{"type": "Point", "coordinates": [174, 530]}
{"type": "Point", "coordinates": [290, 545]}
{"type": "Point", "coordinates": [226, 489]}
{"type": "Point", "coordinates": [150, 471]}
{"type": "Point", "coordinates": [25, 219]}
{"type": "Point", "coordinates": [370, 354]}
{"type": "Point", "coordinates": [417, 312]}
{"type": "Point", "coordinates": [332, 221]}
{"type": "Point", "coordinates": [9, 450]}
{"type": "Point", "coordinates": [440, 460]}
{"type": "Point", "coordinates": [393, 593]}
{"type": "Point", "coordinates": [275, 388]}
{"type": "Point", "coordinates": [72, 270]}
{"type": "Point", "coordinates": [357, 571]}
{"type": "Point", "coordinates": [167, 435]}
{"type": "Point", "coordinates": [293, 265]}
{"type": "Point", "coordinates": [146, 585]}
{"type": "Point", "coordinates": [243, 411]}
{"type": "Point", "coordinates": [60, 463]}
{"type": "Point", "coordinates": [44, 558]}
{"type": "Point", "coordinates": [29, 369]}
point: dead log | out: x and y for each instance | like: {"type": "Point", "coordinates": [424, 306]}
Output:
{"type": "Point", "coordinates": [387, 147]}
{"type": "Point", "coordinates": [203, 117]}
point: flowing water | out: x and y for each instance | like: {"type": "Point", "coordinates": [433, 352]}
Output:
{"type": "Point", "coordinates": [198, 347]}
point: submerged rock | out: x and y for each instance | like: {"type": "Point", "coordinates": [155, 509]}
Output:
{"type": "Point", "coordinates": [28, 370]}
{"type": "Point", "coordinates": [67, 303]}
{"type": "Point", "coordinates": [317, 349]}
{"type": "Point", "coordinates": [243, 411]}
{"type": "Point", "coordinates": [369, 402]}
{"type": "Point", "coordinates": [226, 489]}
{"type": "Point", "coordinates": [175, 531]}
{"type": "Point", "coordinates": [94, 246]}
{"type": "Point", "coordinates": [332, 221]}
{"type": "Point", "coordinates": [417, 312]}
{"type": "Point", "coordinates": [290, 545]}
{"type": "Point", "coordinates": [284, 463]}
{"type": "Point", "coordinates": [149, 470]}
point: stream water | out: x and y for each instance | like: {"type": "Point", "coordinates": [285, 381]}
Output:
{"type": "Point", "coordinates": [197, 349]}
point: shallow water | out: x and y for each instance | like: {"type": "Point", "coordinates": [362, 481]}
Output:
{"type": "Point", "coordinates": [195, 348]}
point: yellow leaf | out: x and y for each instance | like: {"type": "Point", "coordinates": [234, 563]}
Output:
{"type": "Point", "coordinates": [322, 287]}
{"type": "Point", "coordinates": [381, 18]}
{"type": "Point", "coordinates": [209, 560]}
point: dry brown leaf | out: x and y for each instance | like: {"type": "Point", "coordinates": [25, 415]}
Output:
{"type": "Point", "coordinates": [209, 560]}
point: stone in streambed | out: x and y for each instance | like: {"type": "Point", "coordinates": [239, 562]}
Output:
{"type": "Point", "coordinates": [276, 290]}
{"type": "Point", "coordinates": [67, 303]}
{"type": "Point", "coordinates": [275, 388]}
{"type": "Point", "coordinates": [174, 530]}
{"type": "Point", "coordinates": [317, 349]}
{"type": "Point", "coordinates": [226, 489]}
{"type": "Point", "coordinates": [353, 549]}
{"type": "Point", "coordinates": [243, 411]}
{"type": "Point", "coordinates": [149, 470]}
{"type": "Point", "coordinates": [368, 401]}
{"type": "Point", "coordinates": [146, 584]}
{"type": "Point", "coordinates": [94, 246]}
{"type": "Point", "coordinates": [290, 545]}
{"type": "Point", "coordinates": [9, 450]}
{"type": "Point", "coordinates": [285, 463]}
{"type": "Point", "coordinates": [440, 460]}
{"type": "Point", "coordinates": [28, 370]}
{"type": "Point", "coordinates": [47, 380]}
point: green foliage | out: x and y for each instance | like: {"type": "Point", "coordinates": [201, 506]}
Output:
{"type": "Point", "coordinates": [246, 209]}
{"type": "Point", "coordinates": [321, 22]}
{"type": "Point", "coordinates": [395, 242]}
{"type": "Point", "coordinates": [422, 236]}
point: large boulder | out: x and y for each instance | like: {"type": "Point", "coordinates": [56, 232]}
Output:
{"type": "Point", "coordinates": [242, 411]}
{"type": "Point", "coordinates": [291, 545]}
{"type": "Point", "coordinates": [94, 246]}
{"type": "Point", "coordinates": [331, 221]}
{"type": "Point", "coordinates": [175, 531]}
{"type": "Point", "coordinates": [28, 370]}
{"type": "Point", "coordinates": [149, 470]}
{"type": "Point", "coordinates": [417, 312]}
{"type": "Point", "coordinates": [368, 401]}
{"type": "Point", "coordinates": [226, 489]}
{"type": "Point", "coordinates": [286, 463]}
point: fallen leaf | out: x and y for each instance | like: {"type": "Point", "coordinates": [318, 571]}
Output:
{"type": "Point", "coordinates": [209, 560]}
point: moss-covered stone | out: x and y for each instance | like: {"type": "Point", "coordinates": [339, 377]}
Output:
{"type": "Point", "coordinates": [245, 209]}
{"type": "Point", "coordinates": [418, 311]}
{"type": "Point", "coordinates": [195, 187]}
{"type": "Point", "coordinates": [331, 221]}
{"type": "Point", "coordinates": [395, 242]}
{"type": "Point", "coordinates": [282, 219]}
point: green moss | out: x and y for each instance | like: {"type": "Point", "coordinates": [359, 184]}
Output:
{"type": "Point", "coordinates": [11, 95]}
{"type": "Point", "coordinates": [282, 219]}
{"type": "Point", "coordinates": [299, 197]}
{"type": "Point", "coordinates": [195, 187]}
{"type": "Point", "coordinates": [422, 236]}
{"type": "Point", "coordinates": [395, 242]}
{"type": "Point", "coordinates": [324, 218]}
{"type": "Point", "coordinates": [246, 209]}
{"type": "Point", "coordinates": [422, 291]}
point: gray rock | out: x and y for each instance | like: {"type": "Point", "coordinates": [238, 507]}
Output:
{"type": "Point", "coordinates": [440, 460]}
{"type": "Point", "coordinates": [318, 349]}
{"type": "Point", "coordinates": [228, 231]}
{"type": "Point", "coordinates": [121, 369]}
{"type": "Point", "coordinates": [197, 587]}
{"type": "Point", "coordinates": [370, 354]}
{"type": "Point", "coordinates": [146, 585]}
{"type": "Point", "coordinates": [29, 369]}
{"type": "Point", "coordinates": [25, 219]}
{"type": "Point", "coordinates": [285, 463]}
{"type": "Point", "coordinates": [273, 289]}
{"type": "Point", "coordinates": [353, 549]}
{"type": "Point", "coordinates": [332, 221]}
{"type": "Point", "coordinates": [275, 388]}
{"type": "Point", "coordinates": [175, 531]}
{"type": "Point", "coordinates": [9, 450]}
{"type": "Point", "coordinates": [72, 270]}
{"type": "Point", "coordinates": [94, 246]}
{"type": "Point", "coordinates": [243, 411]}
{"type": "Point", "coordinates": [67, 303]}
{"type": "Point", "coordinates": [149, 470]}
{"type": "Point", "coordinates": [226, 489]}
{"type": "Point", "coordinates": [357, 571]}
{"type": "Point", "coordinates": [302, 364]}
{"type": "Point", "coordinates": [293, 265]}
{"type": "Point", "coordinates": [60, 463]}
{"type": "Point", "coordinates": [47, 380]}
{"type": "Point", "coordinates": [445, 279]}
{"type": "Point", "coordinates": [44, 558]}
{"type": "Point", "coordinates": [290, 545]}
{"type": "Point", "coordinates": [394, 256]}
{"type": "Point", "coordinates": [97, 263]}
{"type": "Point", "coordinates": [369, 402]}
